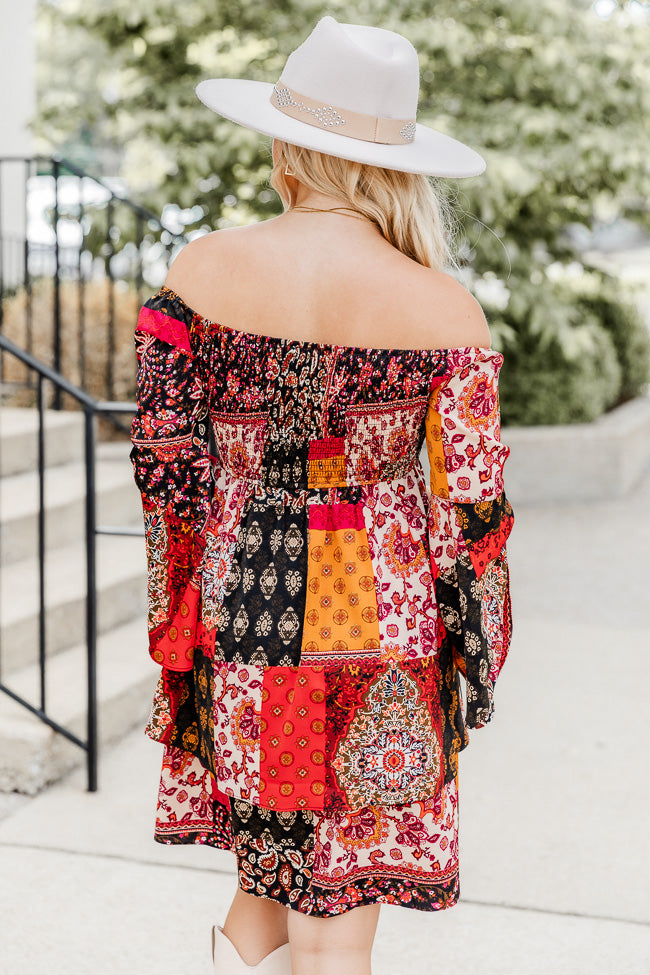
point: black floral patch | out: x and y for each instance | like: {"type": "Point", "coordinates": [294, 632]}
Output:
{"type": "Point", "coordinates": [275, 852]}
{"type": "Point", "coordinates": [385, 889]}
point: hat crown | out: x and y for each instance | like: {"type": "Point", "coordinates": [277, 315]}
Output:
{"type": "Point", "coordinates": [364, 69]}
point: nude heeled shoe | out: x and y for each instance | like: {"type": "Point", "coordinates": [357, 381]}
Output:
{"type": "Point", "coordinates": [228, 961]}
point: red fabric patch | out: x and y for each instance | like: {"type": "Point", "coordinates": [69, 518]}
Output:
{"type": "Point", "coordinates": [164, 327]}
{"type": "Point", "coordinates": [327, 447]}
{"type": "Point", "coordinates": [219, 796]}
{"type": "Point", "coordinates": [171, 643]}
{"type": "Point", "coordinates": [487, 548]}
{"type": "Point", "coordinates": [329, 517]}
{"type": "Point", "coordinates": [292, 738]}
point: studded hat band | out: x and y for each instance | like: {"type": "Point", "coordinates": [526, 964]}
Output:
{"type": "Point", "coordinates": [358, 125]}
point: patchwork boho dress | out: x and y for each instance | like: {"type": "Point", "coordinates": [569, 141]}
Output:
{"type": "Point", "coordinates": [313, 602]}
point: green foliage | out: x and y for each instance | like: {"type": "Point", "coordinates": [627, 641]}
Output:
{"type": "Point", "coordinates": [557, 100]}
{"type": "Point", "coordinates": [548, 388]}
{"type": "Point", "coordinates": [574, 348]}
{"type": "Point", "coordinates": [629, 333]}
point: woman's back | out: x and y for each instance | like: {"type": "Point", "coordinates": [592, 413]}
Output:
{"type": "Point", "coordinates": [325, 278]}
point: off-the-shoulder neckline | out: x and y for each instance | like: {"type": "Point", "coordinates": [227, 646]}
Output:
{"type": "Point", "coordinates": [285, 340]}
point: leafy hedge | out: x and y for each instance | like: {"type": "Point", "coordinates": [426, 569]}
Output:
{"type": "Point", "coordinates": [574, 346]}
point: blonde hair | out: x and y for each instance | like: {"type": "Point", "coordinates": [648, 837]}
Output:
{"type": "Point", "coordinates": [411, 210]}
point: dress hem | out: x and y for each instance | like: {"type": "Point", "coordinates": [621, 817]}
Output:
{"type": "Point", "coordinates": [324, 902]}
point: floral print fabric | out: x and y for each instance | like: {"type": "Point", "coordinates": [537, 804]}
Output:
{"type": "Point", "coordinates": [317, 864]}
{"type": "Point", "coordinates": [313, 603]}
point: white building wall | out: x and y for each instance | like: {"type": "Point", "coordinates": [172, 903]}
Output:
{"type": "Point", "coordinates": [17, 108]}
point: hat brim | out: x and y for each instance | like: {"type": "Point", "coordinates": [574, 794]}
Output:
{"type": "Point", "coordinates": [431, 153]}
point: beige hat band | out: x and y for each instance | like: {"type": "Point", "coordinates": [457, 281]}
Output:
{"type": "Point", "coordinates": [357, 125]}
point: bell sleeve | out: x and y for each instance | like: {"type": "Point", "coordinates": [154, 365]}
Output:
{"type": "Point", "coordinates": [173, 472]}
{"type": "Point", "coordinates": [469, 522]}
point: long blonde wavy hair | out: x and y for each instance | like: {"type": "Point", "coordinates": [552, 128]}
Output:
{"type": "Point", "coordinates": [412, 211]}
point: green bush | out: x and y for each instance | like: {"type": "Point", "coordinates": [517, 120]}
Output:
{"type": "Point", "coordinates": [631, 337]}
{"type": "Point", "coordinates": [573, 346]}
{"type": "Point", "coordinates": [550, 389]}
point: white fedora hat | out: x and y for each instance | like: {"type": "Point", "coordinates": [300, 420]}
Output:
{"type": "Point", "coordinates": [350, 91]}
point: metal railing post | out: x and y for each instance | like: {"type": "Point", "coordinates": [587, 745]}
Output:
{"type": "Point", "coordinates": [41, 542]}
{"type": "Point", "coordinates": [54, 260]}
{"type": "Point", "coordinates": [81, 293]}
{"type": "Point", "coordinates": [109, 391]}
{"type": "Point", "coordinates": [91, 597]}
{"type": "Point", "coordinates": [57, 284]}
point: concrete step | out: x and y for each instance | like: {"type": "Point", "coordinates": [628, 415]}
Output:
{"type": "Point", "coordinates": [31, 753]}
{"type": "Point", "coordinates": [121, 596]}
{"type": "Point", "coordinates": [117, 502]}
{"type": "Point", "coordinates": [63, 433]}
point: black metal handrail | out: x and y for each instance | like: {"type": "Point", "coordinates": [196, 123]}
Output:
{"type": "Point", "coordinates": [114, 238]}
{"type": "Point", "coordinates": [91, 409]}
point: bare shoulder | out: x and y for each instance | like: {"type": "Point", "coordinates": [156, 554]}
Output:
{"type": "Point", "coordinates": [202, 258]}
{"type": "Point", "coordinates": [458, 318]}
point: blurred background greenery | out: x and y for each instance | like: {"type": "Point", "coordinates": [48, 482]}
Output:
{"type": "Point", "coordinates": [555, 94]}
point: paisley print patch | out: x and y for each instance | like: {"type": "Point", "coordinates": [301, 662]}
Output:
{"type": "Point", "coordinates": [391, 752]}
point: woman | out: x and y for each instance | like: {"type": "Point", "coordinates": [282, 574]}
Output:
{"type": "Point", "coordinates": [312, 602]}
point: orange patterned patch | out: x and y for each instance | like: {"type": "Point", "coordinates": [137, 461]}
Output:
{"type": "Point", "coordinates": [341, 621]}
{"type": "Point", "coordinates": [435, 449]}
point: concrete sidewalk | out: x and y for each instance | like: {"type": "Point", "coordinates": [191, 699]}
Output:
{"type": "Point", "coordinates": [554, 798]}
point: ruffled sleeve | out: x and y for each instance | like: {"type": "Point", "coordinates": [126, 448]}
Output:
{"type": "Point", "coordinates": [173, 471]}
{"type": "Point", "coordinates": [469, 522]}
